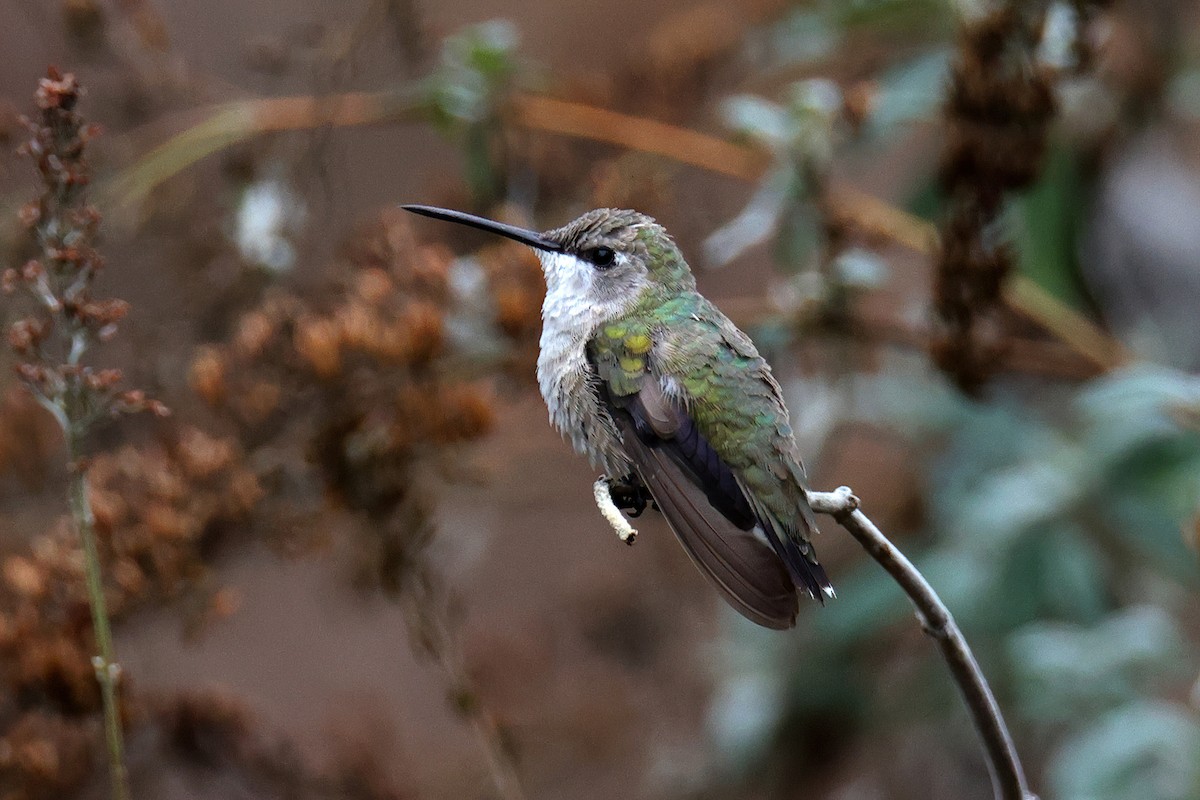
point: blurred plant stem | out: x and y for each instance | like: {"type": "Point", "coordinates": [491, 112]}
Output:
{"type": "Point", "coordinates": [644, 135]}
{"type": "Point", "coordinates": [491, 738]}
{"type": "Point", "coordinates": [872, 216]}
{"type": "Point", "coordinates": [1008, 776]}
{"type": "Point", "coordinates": [1042, 307]}
{"type": "Point", "coordinates": [428, 610]}
{"type": "Point", "coordinates": [108, 670]}
{"type": "Point", "coordinates": [227, 124]}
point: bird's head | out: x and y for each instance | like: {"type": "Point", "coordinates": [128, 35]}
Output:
{"type": "Point", "coordinates": [609, 258]}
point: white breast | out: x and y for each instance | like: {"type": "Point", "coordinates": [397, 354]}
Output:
{"type": "Point", "coordinates": [569, 319]}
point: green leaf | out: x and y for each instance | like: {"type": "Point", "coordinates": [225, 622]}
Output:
{"type": "Point", "coordinates": [930, 17]}
{"type": "Point", "coordinates": [1073, 575]}
{"type": "Point", "coordinates": [756, 222]}
{"type": "Point", "coordinates": [1155, 535]}
{"type": "Point", "coordinates": [868, 602]}
{"type": "Point", "coordinates": [1066, 671]}
{"type": "Point", "coordinates": [1138, 407]}
{"type": "Point", "coordinates": [757, 119]}
{"type": "Point", "coordinates": [801, 37]}
{"type": "Point", "coordinates": [1050, 219]}
{"type": "Point", "coordinates": [909, 93]}
{"type": "Point", "coordinates": [476, 65]}
{"type": "Point", "coordinates": [1009, 502]}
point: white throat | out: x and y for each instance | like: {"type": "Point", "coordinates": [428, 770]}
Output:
{"type": "Point", "coordinates": [571, 314]}
{"type": "Point", "coordinates": [569, 309]}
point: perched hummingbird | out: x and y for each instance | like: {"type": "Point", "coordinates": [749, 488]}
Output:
{"type": "Point", "coordinates": [659, 389]}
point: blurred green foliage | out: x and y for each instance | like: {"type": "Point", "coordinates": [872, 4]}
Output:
{"type": "Point", "coordinates": [1056, 536]}
{"type": "Point", "coordinates": [465, 96]}
{"type": "Point", "coordinates": [800, 133]}
{"type": "Point", "coordinates": [1047, 222]}
{"type": "Point", "coordinates": [1061, 524]}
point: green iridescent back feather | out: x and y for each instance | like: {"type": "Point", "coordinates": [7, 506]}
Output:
{"type": "Point", "coordinates": [729, 390]}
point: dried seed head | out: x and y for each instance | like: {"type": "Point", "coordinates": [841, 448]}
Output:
{"type": "Point", "coordinates": [260, 400]}
{"type": "Point", "coordinates": [203, 456]}
{"type": "Point", "coordinates": [422, 331]}
{"type": "Point", "coordinates": [316, 341]}
{"type": "Point", "coordinates": [24, 577]}
{"type": "Point", "coordinates": [27, 334]}
{"type": "Point", "coordinates": [998, 108]}
{"type": "Point", "coordinates": [32, 271]}
{"type": "Point", "coordinates": [32, 374]}
{"type": "Point", "coordinates": [463, 413]}
{"type": "Point", "coordinates": [254, 331]}
{"type": "Point", "coordinates": [135, 401]}
{"type": "Point", "coordinates": [103, 380]}
{"type": "Point", "coordinates": [374, 285]}
{"type": "Point", "coordinates": [358, 327]}
{"type": "Point", "coordinates": [103, 313]}
{"type": "Point", "coordinates": [30, 213]}
{"type": "Point", "coordinates": [207, 375]}
{"type": "Point", "coordinates": [57, 92]}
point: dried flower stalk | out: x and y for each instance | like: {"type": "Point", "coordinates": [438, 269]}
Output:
{"type": "Point", "coordinates": [998, 111]}
{"type": "Point", "coordinates": [53, 340]}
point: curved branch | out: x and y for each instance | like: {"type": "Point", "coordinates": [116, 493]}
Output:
{"type": "Point", "coordinates": [1008, 777]}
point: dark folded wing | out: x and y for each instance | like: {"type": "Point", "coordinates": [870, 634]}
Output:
{"type": "Point", "coordinates": [705, 506]}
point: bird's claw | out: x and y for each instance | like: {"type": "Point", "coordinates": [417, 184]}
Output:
{"type": "Point", "coordinates": [629, 495]}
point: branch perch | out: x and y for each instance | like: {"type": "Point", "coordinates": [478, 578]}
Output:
{"type": "Point", "coordinates": [1008, 777]}
{"type": "Point", "coordinates": [602, 489]}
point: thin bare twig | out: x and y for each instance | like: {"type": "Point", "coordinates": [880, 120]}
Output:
{"type": "Point", "coordinates": [602, 491]}
{"type": "Point", "coordinates": [105, 664]}
{"type": "Point", "coordinates": [1008, 777]}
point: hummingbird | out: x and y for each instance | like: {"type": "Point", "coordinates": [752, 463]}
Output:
{"type": "Point", "coordinates": [661, 391]}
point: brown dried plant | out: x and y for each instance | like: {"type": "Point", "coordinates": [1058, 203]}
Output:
{"type": "Point", "coordinates": [998, 111]}
{"type": "Point", "coordinates": [213, 730]}
{"type": "Point", "coordinates": [157, 510]}
{"type": "Point", "coordinates": [376, 382]}
{"type": "Point", "coordinates": [54, 339]}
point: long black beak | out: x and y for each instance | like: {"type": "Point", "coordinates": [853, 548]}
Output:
{"type": "Point", "coordinates": [531, 238]}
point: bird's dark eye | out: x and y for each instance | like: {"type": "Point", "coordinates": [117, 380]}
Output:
{"type": "Point", "coordinates": [599, 257]}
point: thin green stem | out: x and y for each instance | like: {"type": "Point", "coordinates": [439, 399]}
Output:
{"type": "Point", "coordinates": [108, 671]}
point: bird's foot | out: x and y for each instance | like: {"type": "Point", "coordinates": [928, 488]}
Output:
{"type": "Point", "coordinates": [629, 495]}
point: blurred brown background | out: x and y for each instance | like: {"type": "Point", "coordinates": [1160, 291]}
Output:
{"type": "Point", "coordinates": [356, 561]}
